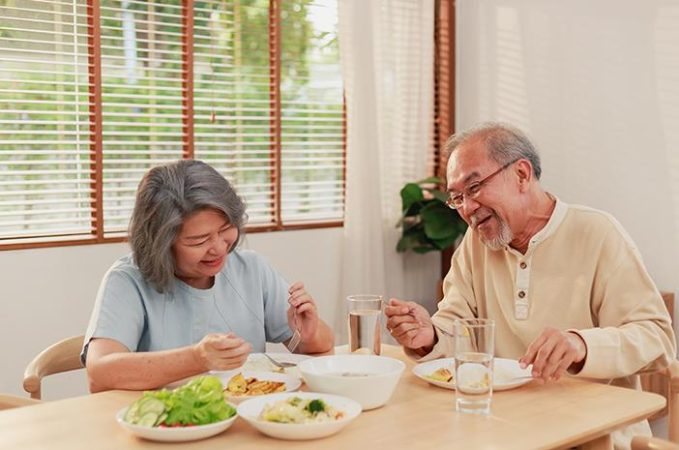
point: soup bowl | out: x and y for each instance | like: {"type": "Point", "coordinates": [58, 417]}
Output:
{"type": "Point", "coordinates": [368, 379]}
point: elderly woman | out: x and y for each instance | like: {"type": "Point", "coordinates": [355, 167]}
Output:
{"type": "Point", "coordinates": [186, 300]}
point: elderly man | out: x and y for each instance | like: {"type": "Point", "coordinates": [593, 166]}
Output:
{"type": "Point", "coordinates": [565, 284]}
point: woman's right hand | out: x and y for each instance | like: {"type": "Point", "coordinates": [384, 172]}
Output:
{"type": "Point", "coordinates": [222, 351]}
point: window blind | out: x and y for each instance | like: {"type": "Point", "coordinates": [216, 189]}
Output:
{"type": "Point", "coordinates": [141, 62]}
{"type": "Point", "coordinates": [95, 94]}
{"type": "Point", "coordinates": [233, 116]}
{"type": "Point", "coordinates": [312, 117]}
{"type": "Point", "coordinates": [45, 167]}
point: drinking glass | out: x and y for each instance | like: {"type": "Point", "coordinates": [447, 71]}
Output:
{"type": "Point", "coordinates": [474, 349]}
{"type": "Point", "coordinates": [364, 318]}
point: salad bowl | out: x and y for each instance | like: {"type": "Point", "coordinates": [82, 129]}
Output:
{"type": "Point", "coordinates": [196, 410]}
{"type": "Point", "coordinates": [178, 434]}
{"type": "Point", "coordinates": [251, 411]}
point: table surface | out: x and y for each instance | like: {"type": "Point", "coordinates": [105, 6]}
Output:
{"type": "Point", "coordinates": [419, 415]}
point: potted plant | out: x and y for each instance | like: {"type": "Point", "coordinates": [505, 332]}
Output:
{"type": "Point", "coordinates": [427, 223]}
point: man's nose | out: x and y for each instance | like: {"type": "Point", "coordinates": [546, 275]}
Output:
{"type": "Point", "coordinates": [469, 206]}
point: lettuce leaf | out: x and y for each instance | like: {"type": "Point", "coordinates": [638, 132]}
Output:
{"type": "Point", "coordinates": [199, 402]}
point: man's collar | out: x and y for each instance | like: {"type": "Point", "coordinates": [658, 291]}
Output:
{"type": "Point", "coordinates": [558, 214]}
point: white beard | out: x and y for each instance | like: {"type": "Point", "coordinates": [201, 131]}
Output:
{"type": "Point", "coordinates": [502, 239]}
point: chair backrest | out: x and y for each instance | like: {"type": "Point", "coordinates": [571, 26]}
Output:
{"type": "Point", "coordinates": [656, 382]}
{"type": "Point", "coordinates": [12, 401]}
{"type": "Point", "coordinates": [60, 357]}
{"type": "Point", "coordinates": [673, 401]}
{"type": "Point", "coordinates": [652, 443]}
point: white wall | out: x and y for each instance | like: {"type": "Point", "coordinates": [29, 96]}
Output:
{"type": "Point", "coordinates": [595, 83]}
{"type": "Point", "coordinates": [47, 294]}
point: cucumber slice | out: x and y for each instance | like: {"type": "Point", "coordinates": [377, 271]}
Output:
{"type": "Point", "coordinates": [145, 412]}
{"type": "Point", "coordinates": [148, 420]}
{"type": "Point", "coordinates": [151, 405]}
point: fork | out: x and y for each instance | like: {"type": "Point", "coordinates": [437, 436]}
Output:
{"type": "Point", "coordinates": [295, 341]}
{"type": "Point", "coordinates": [296, 336]}
{"type": "Point", "coordinates": [279, 364]}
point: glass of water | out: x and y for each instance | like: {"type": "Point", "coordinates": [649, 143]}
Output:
{"type": "Point", "coordinates": [365, 312]}
{"type": "Point", "coordinates": [474, 349]}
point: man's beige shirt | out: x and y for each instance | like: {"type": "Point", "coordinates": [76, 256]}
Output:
{"type": "Point", "coordinates": [581, 272]}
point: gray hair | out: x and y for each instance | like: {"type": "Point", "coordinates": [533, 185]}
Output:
{"type": "Point", "coordinates": [168, 195]}
{"type": "Point", "coordinates": [503, 142]}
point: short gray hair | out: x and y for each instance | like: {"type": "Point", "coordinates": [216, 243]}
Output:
{"type": "Point", "coordinates": [168, 195]}
{"type": "Point", "coordinates": [503, 142]}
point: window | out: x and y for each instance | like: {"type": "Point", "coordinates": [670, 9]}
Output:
{"type": "Point", "coordinates": [93, 95]}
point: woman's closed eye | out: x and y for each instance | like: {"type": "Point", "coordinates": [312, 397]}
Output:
{"type": "Point", "coordinates": [199, 243]}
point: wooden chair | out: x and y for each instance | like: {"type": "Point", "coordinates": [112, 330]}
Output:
{"type": "Point", "coordinates": [652, 443]}
{"type": "Point", "coordinates": [60, 357]}
{"type": "Point", "coordinates": [672, 374]}
{"type": "Point", "coordinates": [12, 401]}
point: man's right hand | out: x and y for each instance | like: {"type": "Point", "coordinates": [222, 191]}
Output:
{"type": "Point", "coordinates": [219, 351]}
{"type": "Point", "coordinates": [410, 324]}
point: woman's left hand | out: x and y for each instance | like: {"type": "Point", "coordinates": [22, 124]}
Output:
{"type": "Point", "coordinates": [302, 314]}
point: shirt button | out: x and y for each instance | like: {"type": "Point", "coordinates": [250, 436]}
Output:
{"type": "Point", "coordinates": [523, 265]}
{"type": "Point", "coordinates": [522, 294]}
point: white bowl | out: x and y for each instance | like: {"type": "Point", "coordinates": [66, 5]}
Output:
{"type": "Point", "coordinates": [252, 408]}
{"type": "Point", "coordinates": [368, 379]}
{"type": "Point", "coordinates": [178, 434]}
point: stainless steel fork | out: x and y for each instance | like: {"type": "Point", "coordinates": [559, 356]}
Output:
{"type": "Point", "coordinates": [280, 364]}
{"type": "Point", "coordinates": [296, 336]}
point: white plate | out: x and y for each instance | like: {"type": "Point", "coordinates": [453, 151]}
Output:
{"type": "Point", "coordinates": [178, 434]}
{"type": "Point", "coordinates": [291, 383]}
{"type": "Point", "coordinates": [252, 408]}
{"type": "Point", "coordinates": [505, 373]}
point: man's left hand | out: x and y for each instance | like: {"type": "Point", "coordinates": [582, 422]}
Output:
{"type": "Point", "coordinates": [553, 352]}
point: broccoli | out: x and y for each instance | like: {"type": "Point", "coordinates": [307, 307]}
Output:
{"type": "Point", "coordinates": [315, 406]}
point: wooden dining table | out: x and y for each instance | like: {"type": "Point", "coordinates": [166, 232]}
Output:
{"type": "Point", "coordinates": [556, 415]}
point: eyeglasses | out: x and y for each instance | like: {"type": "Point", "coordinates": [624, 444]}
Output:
{"type": "Point", "coordinates": [472, 190]}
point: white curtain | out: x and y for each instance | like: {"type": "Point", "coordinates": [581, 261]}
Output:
{"type": "Point", "coordinates": [387, 57]}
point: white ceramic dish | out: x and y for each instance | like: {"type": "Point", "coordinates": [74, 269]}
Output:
{"type": "Point", "coordinates": [507, 374]}
{"type": "Point", "coordinates": [252, 408]}
{"type": "Point", "coordinates": [292, 382]}
{"type": "Point", "coordinates": [178, 434]}
{"type": "Point", "coordinates": [368, 379]}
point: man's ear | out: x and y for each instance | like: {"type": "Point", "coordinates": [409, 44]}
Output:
{"type": "Point", "coordinates": [524, 173]}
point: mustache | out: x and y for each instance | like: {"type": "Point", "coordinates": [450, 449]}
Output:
{"type": "Point", "coordinates": [480, 216]}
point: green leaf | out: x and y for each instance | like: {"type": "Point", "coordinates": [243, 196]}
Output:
{"type": "Point", "coordinates": [411, 193]}
{"type": "Point", "coordinates": [440, 222]}
{"type": "Point", "coordinates": [444, 243]}
{"type": "Point", "coordinates": [414, 209]}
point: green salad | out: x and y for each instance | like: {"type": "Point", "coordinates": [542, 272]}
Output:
{"type": "Point", "coordinates": [199, 402]}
